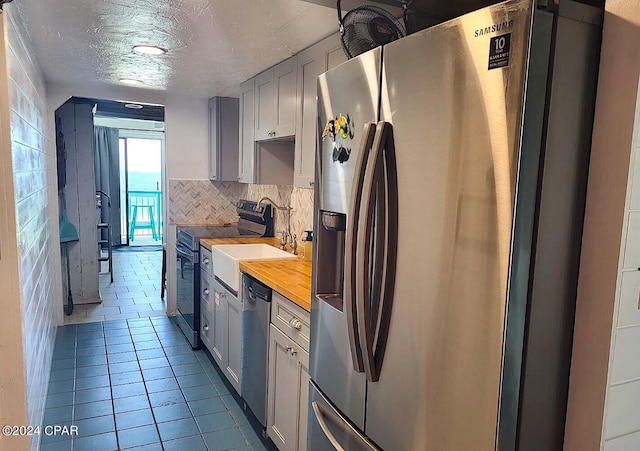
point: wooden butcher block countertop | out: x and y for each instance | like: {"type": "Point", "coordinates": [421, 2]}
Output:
{"type": "Point", "coordinates": [291, 278]}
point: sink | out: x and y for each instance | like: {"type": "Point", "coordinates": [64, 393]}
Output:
{"type": "Point", "coordinates": [226, 259]}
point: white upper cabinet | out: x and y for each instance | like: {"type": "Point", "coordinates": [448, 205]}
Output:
{"type": "Point", "coordinates": [281, 103]}
{"type": "Point", "coordinates": [334, 56]}
{"type": "Point", "coordinates": [246, 154]}
{"type": "Point", "coordinates": [309, 67]}
{"type": "Point", "coordinates": [275, 101]}
{"type": "Point", "coordinates": [223, 139]}
{"type": "Point", "coordinates": [263, 105]}
{"type": "Point", "coordinates": [285, 77]}
{"type": "Point", "coordinates": [312, 62]}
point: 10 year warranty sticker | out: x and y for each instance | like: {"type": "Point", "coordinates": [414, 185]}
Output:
{"type": "Point", "coordinates": [499, 51]}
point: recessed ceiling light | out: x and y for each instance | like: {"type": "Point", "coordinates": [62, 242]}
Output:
{"type": "Point", "coordinates": [133, 106]}
{"type": "Point", "coordinates": [131, 81]}
{"type": "Point", "coordinates": [149, 50]}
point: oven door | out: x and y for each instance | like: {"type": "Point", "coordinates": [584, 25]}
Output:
{"type": "Point", "coordinates": [187, 287]}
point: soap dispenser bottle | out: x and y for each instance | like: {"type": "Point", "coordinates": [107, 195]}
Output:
{"type": "Point", "coordinates": [308, 245]}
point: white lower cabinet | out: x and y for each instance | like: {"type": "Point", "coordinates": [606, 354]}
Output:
{"type": "Point", "coordinates": [225, 341]}
{"type": "Point", "coordinates": [219, 328]}
{"type": "Point", "coordinates": [206, 327]}
{"type": "Point", "coordinates": [288, 392]}
{"type": "Point", "coordinates": [233, 368]}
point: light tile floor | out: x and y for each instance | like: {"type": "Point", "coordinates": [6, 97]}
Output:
{"type": "Point", "coordinates": [134, 293]}
{"type": "Point", "coordinates": [137, 384]}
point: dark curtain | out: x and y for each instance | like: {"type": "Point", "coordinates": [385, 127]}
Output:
{"type": "Point", "coordinates": [108, 175]}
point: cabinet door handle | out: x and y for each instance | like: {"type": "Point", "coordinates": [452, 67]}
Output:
{"type": "Point", "coordinates": [206, 328]}
{"type": "Point", "coordinates": [296, 324]}
{"type": "Point", "coordinates": [206, 291]}
{"type": "Point", "coordinates": [311, 183]}
{"type": "Point", "coordinates": [290, 350]}
{"type": "Point", "coordinates": [205, 261]}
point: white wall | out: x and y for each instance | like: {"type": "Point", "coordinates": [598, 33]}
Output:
{"type": "Point", "coordinates": [36, 215]}
{"type": "Point", "coordinates": [187, 143]}
{"type": "Point", "coordinates": [12, 374]}
{"type": "Point", "coordinates": [186, 124]}
{"type": "Point", "coordinates": [621, 429]}
{"type": "Point", "coordinates": [187, 127]}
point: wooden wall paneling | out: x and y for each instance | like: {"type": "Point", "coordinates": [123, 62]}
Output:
{"type": "Point", "coordinates": [87, 202]}
{"type": "Point", "coordinates": [67, 121]}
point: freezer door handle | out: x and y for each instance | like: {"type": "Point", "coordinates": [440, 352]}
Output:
{"type": "Point", "coordinates": [353, 439]}
{"type": "Point", "coordinates": [318, 411]}
{"type": "Point", "coordinates": [350, 263]}
{"type": "Point", "coordinates": [376, 250]}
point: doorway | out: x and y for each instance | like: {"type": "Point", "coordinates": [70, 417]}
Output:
{"type": "Point", "coordinates": [140, 154]}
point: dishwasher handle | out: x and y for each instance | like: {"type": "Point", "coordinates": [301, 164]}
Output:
{"type": "Point", "coordinates": [256, 291]}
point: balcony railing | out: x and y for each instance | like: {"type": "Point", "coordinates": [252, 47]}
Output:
{"type": "Point", "coordinates": [145, 216]}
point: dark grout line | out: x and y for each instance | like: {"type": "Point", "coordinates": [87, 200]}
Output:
{"type": "Point", "coordinates": [160, 330]}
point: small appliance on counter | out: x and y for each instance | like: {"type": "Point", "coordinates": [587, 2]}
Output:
{"type": "Point", "coordinates": [255, 221]}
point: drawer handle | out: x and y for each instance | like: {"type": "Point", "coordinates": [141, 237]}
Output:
{"type": "Point", "coordinates": [296, 324]}
{"type": "Point", "coordinates": [206, 291]}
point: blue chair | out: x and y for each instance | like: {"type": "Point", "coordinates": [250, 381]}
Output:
{"type": "Point", "coordinates": [137, 224]}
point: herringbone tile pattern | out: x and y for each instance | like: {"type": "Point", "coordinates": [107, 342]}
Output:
{"type": "Point", "coordinates": [202, 201]}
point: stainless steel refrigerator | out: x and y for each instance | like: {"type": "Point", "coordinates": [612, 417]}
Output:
{"type": "Point", "coordinates": [451, 176]}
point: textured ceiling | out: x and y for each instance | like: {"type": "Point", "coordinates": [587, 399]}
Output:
{"type": "Point", "coordinates": [213, 45]}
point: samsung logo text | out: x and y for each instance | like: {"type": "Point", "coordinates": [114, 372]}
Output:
{"type": "Point", "coordinates": [494, 28]}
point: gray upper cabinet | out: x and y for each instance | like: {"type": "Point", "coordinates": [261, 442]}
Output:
{"type": "Point", "coordinates": [285, 76]}
{"type": "Point", "coordinates": [334, 54]}
{"type": "Point", "coordinates": [312, 62]}
{"type": "Point", "coordinates": [263, 105]}
{"type": "Point", "coordinates": [223, 139]}
{"type": "Point", "coordinates": [246, 155]}
{"type": "Point", "coordinates": [275, 95]}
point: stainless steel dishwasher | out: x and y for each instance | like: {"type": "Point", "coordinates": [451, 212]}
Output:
{"type": "Point", "coordinates": [256, 314]}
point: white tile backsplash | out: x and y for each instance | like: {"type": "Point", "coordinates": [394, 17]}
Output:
{"type": "Point", "coordinates": [302, 214]}
{"type": "Point", "coordinates": [34, 179]}
{"type": "Point", "coordinates": [634, 201]}
{"type": "Point", "coordinates": [632, 244]}
{"type": "Point", "coordinates": [202, 201]}
{"type": "Point", "coordinates": [622, 410]}
{"type": "Point", "coordinates": [629, 442]}
{"type": "Point", "coordinates": [626, 358]}
{"type": "Point", "coordinates": [629, 309]}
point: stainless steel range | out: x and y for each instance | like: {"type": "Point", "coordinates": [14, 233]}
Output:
{"type": "Point", "coordinates": [255, 221]}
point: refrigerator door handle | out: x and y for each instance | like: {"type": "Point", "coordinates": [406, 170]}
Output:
{"type": "Point", "coordinates": [351, 266]}
{"type": "Point", "coordinates": [377, 241]}
{"type": "Point", "coordinates": [353, 439]}
{"type": "Point", "coordinates": [319, 413]}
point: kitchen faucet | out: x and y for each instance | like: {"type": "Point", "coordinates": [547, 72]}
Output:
{"type": "Point", "coordinates": [287, 233]}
